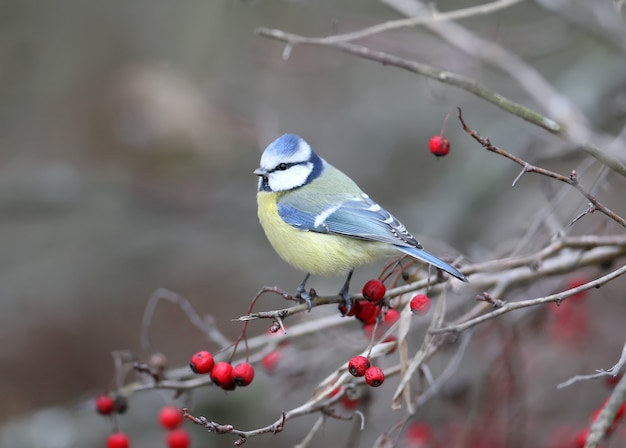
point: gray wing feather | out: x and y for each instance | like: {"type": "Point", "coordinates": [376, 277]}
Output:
{"type": "Point", "coordinates": [347, 215]}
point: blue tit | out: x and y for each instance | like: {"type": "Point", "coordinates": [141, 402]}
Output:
{"type": "Point", "coordinates": [319, 221]}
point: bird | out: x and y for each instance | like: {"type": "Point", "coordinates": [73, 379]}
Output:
{"type": "Point", "coordinates": [319, 221]}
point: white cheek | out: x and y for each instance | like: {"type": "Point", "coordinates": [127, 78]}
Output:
{"type": "Point", "coordinates": [291, 178]}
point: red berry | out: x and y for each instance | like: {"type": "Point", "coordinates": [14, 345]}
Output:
{"type": "Point", "coordinates": [374, 376]}
{"type": "Point", "coordinates": [222, 373]}
{"type": "Point", "coordinates": [270, 360]}
{"type": "Point", "coordinates": [367, 312]}
{"type": "Point", "coordinates": [202, 362]}
{"type": "Point", "coordinates": [118, 440]}
{"type": "Point", "coordinates": [374, 290]}
{"type": "Point", "coordinates": [104, 404]}
{"type": "Point", "coordinates": [569, 323]}
{"type": "Point", "coordinates": [581, 438]}
{"type": "Point", "coordinates": [243, 374]}
{"type": "Point", "coordinates": [420, 304]}
{"type": "Point", "coordinates": [391, 317]}
{"type": "Point", "coordinates": [335, 392]}
{"type": "Point", "coordinates": [178, 438]}
{"type": "Point", "coordinates": [439, 145]}
{"type": "Point", "coordinates": [419, 434]}
{"type": "Point", "coordinates": [170, 417]}
{"type": "Point", "coordinates": [575, 283]}
{"type": "Point", "coordinates": [353, 309]}
{"type": "Point", "coordinates": [358, 365]}
{"type": "Point", "coordinates": [230, 386]}
{"type": "Point", "coordinates": [611, 381]}
{"type": "Point", "coordinates": [349, 403]}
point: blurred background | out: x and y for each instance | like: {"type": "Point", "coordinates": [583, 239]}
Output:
{"type": "Point", "coordinates": [128, 136]}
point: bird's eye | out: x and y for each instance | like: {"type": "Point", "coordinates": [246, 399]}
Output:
{"type": "Point", "coordinates": [282, 167]}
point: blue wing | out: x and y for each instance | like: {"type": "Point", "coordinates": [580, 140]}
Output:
{"type": "Point", "coordinates": [355, 216]}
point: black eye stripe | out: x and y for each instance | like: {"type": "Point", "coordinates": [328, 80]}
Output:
{"type": "Point", "coordinates": [285, 166]}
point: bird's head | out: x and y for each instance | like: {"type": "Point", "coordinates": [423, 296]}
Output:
{"type": "Point", "coordinates": [288, 163]}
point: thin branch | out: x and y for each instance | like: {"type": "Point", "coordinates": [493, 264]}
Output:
{"type": "Point", "coordinates": [511, 306]}
{"type": "Point", "coordinates": [431, 16]}
{"type": "Point", "coordinates": [573, 125]}
{"type": "Point", "coordinates": [613, 371]}
{"type": "Point", "coordinates": [207, 327]}
{"type": "Point", "coordinates": [428, 71]}
{"type": "Point", "coordinates": [572, 179]}
{"type": "Point", "coordinates": [607, 415]}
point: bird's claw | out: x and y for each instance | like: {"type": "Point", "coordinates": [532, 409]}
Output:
{"type": "Point", "coordinates": [306, 297]}
{"type": "Point", "coordinates": [348, 301]}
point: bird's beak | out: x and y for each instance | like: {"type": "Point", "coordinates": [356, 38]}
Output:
{"type": "Point", "coordinates": [260, 172]}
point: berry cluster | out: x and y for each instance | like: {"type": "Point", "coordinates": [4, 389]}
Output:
{"type": "Point", "coordinates": [222, 373]}
{"type": "Point", "coordinates": [170, 418]}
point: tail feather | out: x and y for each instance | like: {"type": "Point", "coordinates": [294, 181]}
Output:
{"type": "Point", "coordinates": [424, 256]}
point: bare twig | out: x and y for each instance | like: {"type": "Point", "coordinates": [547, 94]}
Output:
{"type": "Point", "coordinates": [207, 327]}
{"type": "Point", "coordinates": [510, 306]}
{"type": "Point", "coordinates": [573, 125]}
{"type": "Point", "coordinates": [428, 71]}
{"type": "Point", "coordinates": [572, 179]}
{"type": "Point", "coordinates": [430, 16]}
{"type": "Point", "coordinates": [613, 371]}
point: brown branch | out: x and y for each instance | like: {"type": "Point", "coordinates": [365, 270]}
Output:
{"type": "Point", "coordinates": [428, 71]}
{"type": "Point", "coordinates": [573, 125]}
{"type": "Point", "coordinates": [511, 306]}
{"type": "Point", "coordinates": [572, 179]}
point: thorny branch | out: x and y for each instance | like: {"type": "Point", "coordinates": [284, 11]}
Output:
{"type": "Point", "coordinates": [443, 76]}
{"type": "Point", "coordinates": [572, 179]}
{"type": "Point", "coordinates": [558, 258]}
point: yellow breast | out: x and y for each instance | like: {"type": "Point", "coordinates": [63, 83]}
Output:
{"type": "Point", "coordinates": [315, 253]}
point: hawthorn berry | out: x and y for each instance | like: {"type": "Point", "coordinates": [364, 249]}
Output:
{"type": "Point", "coordinates": [419, 434]}
{"type": "Point", "coordinates": [358, 365]}
{"type": "Point", "coordinates": [230, 386]}
{"type": "Point", "coordinates": [120, 404]}
{"type": "Point", "coordinates": [439, 145]}
{"type": "Point", "coordinates": [343, 309]}
{"type": "Point", "coordinates": [575, 283]}
{"type": "Point", "coordinates": [611, 381]}
{"type": "Point", "coordinates": [170, 417]}
{"type": "Point", "coordinates": [202, 362]}
{"type": "Point", "coordinates": [336, 391]}
{"type": "Point", "coordinates": [349, 403]}
{"type": "Point", "coordinates": [420, 304]}
{"type": "Point", "coordinates": [270, 360]}
{"type": "Point", "coordinates": [374, 376]}
{"type": "Point", "coordinates": [374, 290]}
{"type": "Point", "coordinates": [104, 404]}
{"type": "Point", "coordinates": [243, 374]}
{"type": "Point", "coordinates": [118, 440]}
{"type": "Point", "coordinates": [391, 317]}
{"type": "Point", "coordinates": [367, 312]}
{"type": "Point", "coordinates": [581, 438]}
{"type": "Point", "coordinates": [222, 373]}
{"type": "Point", "coordinates": [179, 438]}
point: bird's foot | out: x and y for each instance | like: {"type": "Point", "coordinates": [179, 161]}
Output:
{"type": "Point", "coordinates": [345, 294]}
{"type": "Point", "coordinates": [347, 300]}
{"type": "Point", "coordinates": [306, 297]}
